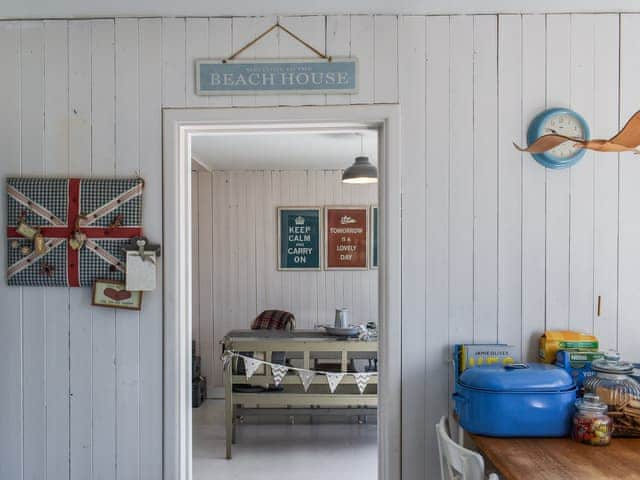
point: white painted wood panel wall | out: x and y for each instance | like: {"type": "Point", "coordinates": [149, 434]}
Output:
{"type": "Point", "coordinates": [235, 250]}
{"type": "Point", "coordinates": [494, 246]}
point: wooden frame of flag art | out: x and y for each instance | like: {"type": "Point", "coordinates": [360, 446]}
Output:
{"type": "Point", "coordinates": [69, 232]}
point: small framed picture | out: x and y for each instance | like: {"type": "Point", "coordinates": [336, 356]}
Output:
{"type": "Point", "coordinates": [113, 293]}
{"type": "Point", "coordinates": [347, 243]}
{"type": "Point", "coordinates": [299, 238]}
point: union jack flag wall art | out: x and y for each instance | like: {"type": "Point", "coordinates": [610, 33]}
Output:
{"type": "Point", "coordinates": [81, 225]}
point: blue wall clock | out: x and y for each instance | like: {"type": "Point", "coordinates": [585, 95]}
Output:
{"type": "Point", "coordinates": [562, 121]}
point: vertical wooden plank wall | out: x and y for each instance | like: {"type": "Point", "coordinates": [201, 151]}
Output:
{"type": "Point", "coordinates": [411, 47]}
{"type": "Point", "coordinates": [461, 175]}
{"type": "Point", "coordinates": [629, 194]}
{"type": "Point", "coordinates": [218, 251]}
{"type": "Point", "coordinates": [127, 163]}
{"type": "Point", "coordinates": [581, 279]}
{"type": "Point", "coordinates": [495, 247]}
{"type": "Point", "coordinates": [606, 112]}
{"type": "Point", "coordinates": [485, 179]}
{"type": "Point", "coordinates": [80, 312]}
{"type": "Point", "coordinates": [436, 129]}
{"type": "Point", "coordinates": [510, 164]}
{"type": "Point", "coordinates": [32, 83]}
{"type": "Point", "coordinates": [56, 151]}
{"type": "Point", "coordinates": [338, 44]}
{"type": "Point", "coordinates": [559, 92]}
{"type": "Point", "coordinates": [11, 408]}
{"type": "Point", "coordinates": [204, 336]}
{"type": "Point", "coordinates": [151, 324]}
{"type": "Point", "coordinates": [533, 293]}
{"type": "Point", "coordinates": [104, 389]}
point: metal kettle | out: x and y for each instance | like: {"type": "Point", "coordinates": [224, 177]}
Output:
{"type": "Point", "coordinates": [342, 318]}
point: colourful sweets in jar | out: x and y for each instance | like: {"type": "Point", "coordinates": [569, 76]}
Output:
{"type": "Point", "coordinates": [591, 424]}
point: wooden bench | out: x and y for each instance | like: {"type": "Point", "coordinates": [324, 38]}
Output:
{"type": "Point", "coordinates": [303, 348]}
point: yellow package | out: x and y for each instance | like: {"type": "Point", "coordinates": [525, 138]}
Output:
{"type": "Point", "coordinates": [477, 355]}
{"type": "Point", "coordinates": [554, 340]}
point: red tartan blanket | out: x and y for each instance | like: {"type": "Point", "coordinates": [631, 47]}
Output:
{"type": "Point", "coordinates": [274, 320]}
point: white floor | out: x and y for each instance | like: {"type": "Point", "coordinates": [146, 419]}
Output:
{"type": "Point", "coordinates": [282, 452]}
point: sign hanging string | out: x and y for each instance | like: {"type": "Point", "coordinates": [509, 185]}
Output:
{"type": "Point", "coordinates": [269, 30]}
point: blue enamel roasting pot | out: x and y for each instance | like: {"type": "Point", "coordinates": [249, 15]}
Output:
{"type": "Point", "coordinates": [519, 400]}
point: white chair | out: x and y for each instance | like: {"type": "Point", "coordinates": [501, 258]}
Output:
{"type": "Point", "coordinates": [456, 462]}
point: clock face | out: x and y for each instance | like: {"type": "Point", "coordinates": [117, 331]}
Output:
{"type": "Point", "coordinates": [564, 123]}
{"type": "Point", "coordinates": [561, 121]}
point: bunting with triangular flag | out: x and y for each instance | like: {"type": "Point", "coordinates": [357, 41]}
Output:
{"type": "Point", "coordinates": [334, 379]}
{"type": "Point", "coordinates": [278, 371]}
{"type": "Point", "coordinates": [227, 356]}
{"type": "Point", "coordinates": [250, 366]}
{"type": "Point", "coordinates": [306, 377]}
{"type": "Point", "coordinates": [362, 379]}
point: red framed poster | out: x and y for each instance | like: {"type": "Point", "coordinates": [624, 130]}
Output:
{"type": "Point", "coordinates": [347, 244]}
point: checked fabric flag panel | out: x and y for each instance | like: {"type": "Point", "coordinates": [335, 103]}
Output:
{"type": "Point", "coordinates": [105, 212]}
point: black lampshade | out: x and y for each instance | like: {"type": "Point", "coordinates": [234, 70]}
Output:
{"type": "Point", "coordinates": [362, 171]}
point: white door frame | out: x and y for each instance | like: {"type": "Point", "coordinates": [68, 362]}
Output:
{"type": "Point", "coordinates": [178, 126]}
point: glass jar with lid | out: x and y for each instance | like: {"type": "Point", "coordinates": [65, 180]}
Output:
{"type": "Point", "coordinates": [591, 425]}
{"type": "Point", "coordinates": [614, 386]}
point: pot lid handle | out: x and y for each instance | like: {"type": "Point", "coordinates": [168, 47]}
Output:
{"type": "Point", "coordinates": [516, 366]}
{"type": "Point", "coordinates": [611, 363]}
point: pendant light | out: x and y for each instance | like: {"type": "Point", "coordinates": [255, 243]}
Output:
{"type": "Point", "coordinates": [362, 170]}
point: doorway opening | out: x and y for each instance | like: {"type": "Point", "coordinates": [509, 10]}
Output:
{"type": "Point", "coordinates": [264, 274]}
{"type": "Point", "coordinates": [240, 275]}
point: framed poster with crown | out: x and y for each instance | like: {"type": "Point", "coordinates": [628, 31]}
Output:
{"type": "Point", "coordinates": [299, 237]}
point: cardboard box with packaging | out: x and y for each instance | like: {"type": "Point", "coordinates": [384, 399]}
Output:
{"type": "Point", "coordinates": [477, 355]}
{"type": "Point", "coordinates": [554, 340]}
{"type": "Point", "coordinates": [577, 363]}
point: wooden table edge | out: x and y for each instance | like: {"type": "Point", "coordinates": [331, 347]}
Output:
{"type": "Point", "coordinates": [616, 451]}
{"type": "Point", "coordinates": [503, 471]}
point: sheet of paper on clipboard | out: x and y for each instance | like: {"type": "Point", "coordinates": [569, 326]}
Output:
{"type": "Point", "coordinates": [141, 271]}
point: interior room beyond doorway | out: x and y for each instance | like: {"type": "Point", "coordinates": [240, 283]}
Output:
{"type": "Point", "coordinates": [240, 182]}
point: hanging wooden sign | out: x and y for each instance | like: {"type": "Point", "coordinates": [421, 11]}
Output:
{"type": "Point", "coordinates": [299, 234]}
{"type": "Point", "coordinates": [229, 76]}
{"type": "Point", "coordinates": [272, 76]}
{"type": "Point", "coordinates": [347, 238]}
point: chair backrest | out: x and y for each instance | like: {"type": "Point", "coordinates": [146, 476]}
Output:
{"type": "Point", "coordinates": [456, 462]}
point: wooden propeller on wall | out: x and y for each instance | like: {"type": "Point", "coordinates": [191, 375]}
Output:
{"type": "Point", "coordinates": [627, 139]}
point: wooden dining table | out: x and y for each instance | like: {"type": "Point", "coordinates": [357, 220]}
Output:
{"type": "Point", "coordinates": [560, 458]}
